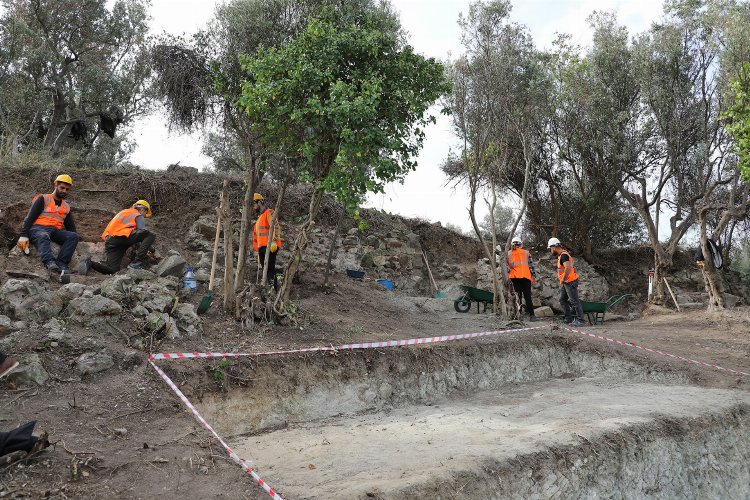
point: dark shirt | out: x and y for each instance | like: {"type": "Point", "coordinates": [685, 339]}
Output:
{"type": "Point", "coordinates": [564, 258]}
{"type": "Point", "coordinates": [36, 210]}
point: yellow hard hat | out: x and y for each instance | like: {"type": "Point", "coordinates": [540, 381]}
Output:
{"type": "Point", "coordinates": [144, 203]}
{"type": "Point", "coordinates": [257, 197]}
{"type": "Point", "coordinates": [64, 178]}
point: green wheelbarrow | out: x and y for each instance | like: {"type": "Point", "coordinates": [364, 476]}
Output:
{"type": "Point", "coordinates": [471, 294]}
{"type": "Point", "coordinates": [595, 310]}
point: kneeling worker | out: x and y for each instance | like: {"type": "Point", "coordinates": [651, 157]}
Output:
{"type": "Point", "coordinates": [521, 273]}
{"type": "Point", "coordinates": [568, 278]}
{"type": "Point", "coordinates": [126, 229]}
{"type": "Point", "coordinates": [48, 214]}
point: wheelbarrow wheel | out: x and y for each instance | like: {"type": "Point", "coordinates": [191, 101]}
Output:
{"type": "Point", "coordinates": [462, 305]}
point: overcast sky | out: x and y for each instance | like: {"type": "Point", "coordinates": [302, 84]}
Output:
{"type": "Point", "coordinates": [433, 31]}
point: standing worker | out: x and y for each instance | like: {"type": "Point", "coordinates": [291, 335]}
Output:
{"type": "Point", "coordinates": [568, 278]}
{"type": "Point", "coordinates": [521, 273]}
{"type": "Point", "coordinates": [260, 238]}
{"type": "Point", "coordinates": [48, 214]}
{"type": "Point", "coordinates": [126, 229]}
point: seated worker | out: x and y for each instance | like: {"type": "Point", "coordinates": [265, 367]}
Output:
{"type": "Point", "coordinates": [48, 214]}
{"type": "Point", "coordinates": [260, 238]}
{"type": "Point", "coordinates": [126, 229]}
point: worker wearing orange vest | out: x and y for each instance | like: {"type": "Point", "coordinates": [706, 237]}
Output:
{"type": "Point", "coordinates": [126, 229]}
{"type": "Point", "coordinates": [566, 275]}
{"type": "Point", "coordinates": [50, 220]}
{"type": "Point", "coordinates": [521, 273]}
{"type": "Point", "coordinates": [261, 236]}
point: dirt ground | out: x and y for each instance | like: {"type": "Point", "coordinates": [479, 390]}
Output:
{"type": "Point", "coordinates": [123, 433]}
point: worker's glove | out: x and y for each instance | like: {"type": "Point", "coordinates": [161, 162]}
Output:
{"type": "Point", "coordinates": [274, 246]}
{"type": "Point", "coordinates": [23, 242]}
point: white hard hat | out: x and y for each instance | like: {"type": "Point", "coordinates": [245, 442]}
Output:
{"type": "Point", "coordinates": [516, 239]}
{"type": "Point", "coordinates": [553, 242]}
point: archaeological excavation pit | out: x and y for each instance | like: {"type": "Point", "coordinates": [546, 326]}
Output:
{"type": "Point", "coordinates": [521, 416]}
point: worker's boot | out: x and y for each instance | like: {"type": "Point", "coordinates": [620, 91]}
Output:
{"type": "Point", "coordinates": [84, 265]}
{"type": "Point", "coordinates": [533, 318]}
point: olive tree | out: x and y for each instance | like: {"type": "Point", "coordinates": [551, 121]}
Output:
{"type": "Point", "coordinates": [347, 95]}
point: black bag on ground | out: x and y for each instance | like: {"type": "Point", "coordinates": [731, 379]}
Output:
{"type": "Point", "coordinates": [18, 439]}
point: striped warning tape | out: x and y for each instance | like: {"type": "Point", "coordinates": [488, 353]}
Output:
{"type": "Point", "coordinates": [657, 351]}
{"type": "Point", "coordinates": [239, 461]}
{"type": "Point", "coordinates": [343, 347]}
{"type": "Point", "coordinates": [368, 345]}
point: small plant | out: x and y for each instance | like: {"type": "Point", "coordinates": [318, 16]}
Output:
{"type": "Point", "coordinates": [217, 370]}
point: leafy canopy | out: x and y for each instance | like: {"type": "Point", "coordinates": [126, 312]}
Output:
{"type": "Point", "coordinates": [347, 96]}
{"type": "Point", "coordinates": [738, 115]}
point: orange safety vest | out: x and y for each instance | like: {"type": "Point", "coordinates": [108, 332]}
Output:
{"type": "Point", "coordinates": [561, 268]}
{"type": "Point", "coordinates": [121, 224]}
{"type": "Point", "coordinates": [518, 262]}
{"type": "Point", "coordinates": [52, 215]}
{"type": "Point", "coordinates": [262, 228]}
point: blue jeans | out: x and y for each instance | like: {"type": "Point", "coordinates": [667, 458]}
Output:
{"type": "Point", "coordinates": [570, 302]}
{"type": "Point", "coordinates": [41, 236]}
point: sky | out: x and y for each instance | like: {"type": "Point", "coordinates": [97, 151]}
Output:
{"type": "Point", "coordinates": [433, 31]}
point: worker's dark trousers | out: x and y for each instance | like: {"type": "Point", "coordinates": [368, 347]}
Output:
{"type": "Point", "coordinates": [41, 236]}
{"type": "Point", "coordinates": [116, 246]}
{"type": "Point", "coordinates": [522, 286]}
{"type": "Point", "coordinates": [570, 302]}
{"type": "Point", "coordinates": [271, 266]}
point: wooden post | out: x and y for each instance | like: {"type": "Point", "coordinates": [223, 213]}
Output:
{"type": "Point", "coordinates": [429, 273]}
{"type": "Point", "coordinates": [229, 294]}
{"type": "Point", "coordinates": [671, 293]}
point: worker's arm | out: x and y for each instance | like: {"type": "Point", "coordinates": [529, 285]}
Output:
{"type": "Point", "coordinates": [34, 212]}
{"type": "Point", "coordinates": [70, 223]}
{"type": "Point", "coordinates": [140, 223]}
{"type": "Point", "coordinates": [566, 273]}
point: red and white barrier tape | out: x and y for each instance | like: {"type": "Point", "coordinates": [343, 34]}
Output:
{"type": "Point", "coordinates": [657, 351]}
{"type": "Point", "coordinates": [239, 461]}
{"type": "Point", "coordinates": [343, 347]}
{"type": "Point", "coordinates": [369, 345]}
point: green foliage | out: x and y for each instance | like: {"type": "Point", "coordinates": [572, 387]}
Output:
{"type": "Point", "coordinates": [738, 117]}
{"type": "Point", "coordinates": [348, 97]}
{"type": "Point", "coordinates": [65, 63]}
{"type": "Point", "coordinates": [217, 371]}
{"type": "Point", "coordinates": [741, 260]}
{"type": "Point", "coordinates": [503, 222]}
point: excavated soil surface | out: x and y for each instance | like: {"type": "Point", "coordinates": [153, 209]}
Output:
{"type": "Point", "coordinates": [408, 422]}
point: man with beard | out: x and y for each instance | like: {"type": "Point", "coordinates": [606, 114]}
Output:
{"type": "Point", "coordinates": [50, 220]}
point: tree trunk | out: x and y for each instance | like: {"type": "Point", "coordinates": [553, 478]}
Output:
{"type": "Point", "coordinates": [300, 243]}
{"type": "Point", "coordinates": [333, 246]}
{"type": "Point", "coordinates": [247, 212]}
{"type": "Point", "coordinates": [229, 294]}
{"type": "Point", "coordinates": [496, 284]}
{"type": "Point", "coordinates": [712, 279]}
{"type": "Point", "coordinates": [272, 231]}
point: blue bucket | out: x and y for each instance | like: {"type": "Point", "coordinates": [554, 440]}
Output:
{"type": "Point", "coordinates": [388, 284]}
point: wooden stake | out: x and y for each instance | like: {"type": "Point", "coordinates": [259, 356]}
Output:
{"type": "Point", "coordinates": [671, 293]}
{"type": "Point", "coordinates": [429, 273]}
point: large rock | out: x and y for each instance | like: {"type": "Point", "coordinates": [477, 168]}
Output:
{"type": "Point", "coordinates": [28, 300]}
{"type": "Point", "coordinates": [156, 321]}
{"type": "Point", "coordinates": [70, 291]}
{"type": "Point", "coordinates": [118, 288]}
{"type": "Point", "coordinates": [91, 310]}
{"type": "Point", "coordinates": [29, 371]}
{"type": "Point", "coordinates": [187, 319]}
{"type": "Point", "coordinates": [157, 295]}
{"type": "Point", "coordinates": [6, 325]}
{"type": "Point", "coordinates": [93, 362]}
{"type": "Point", "coordinates": [543, 312]}
{"type": "Point", "coordinates": [174, 265]}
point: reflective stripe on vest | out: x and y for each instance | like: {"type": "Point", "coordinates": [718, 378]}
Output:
{"type": "Point", "coordinates": [561, 269]}
{"type": "Point", "coordinates": [518, 262]}
{"type": "Point", "coordinates": [121, 224]}
{"type": "Point", "coordinates": [52, 215]}
{"type": "Point", "coordinates": [262, 229]}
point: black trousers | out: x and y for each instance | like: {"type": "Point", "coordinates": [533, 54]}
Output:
{"type": "Point", "coordinates": [116, 246]}
{"type": "Point", "coordinates": [271, 265]}
{"type": "Point", "coordinates": [570, 302]}
{"type": "Point", "coordinates": [522, 286]}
